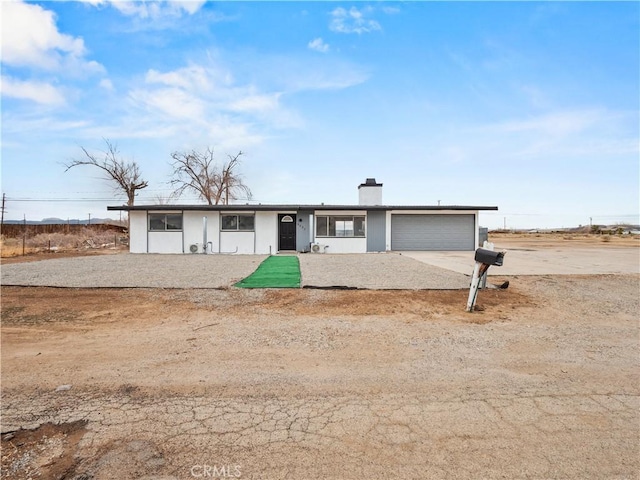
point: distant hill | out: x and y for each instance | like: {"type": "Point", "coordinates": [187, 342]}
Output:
{"type": "Point", "coordinates": [60, 221]}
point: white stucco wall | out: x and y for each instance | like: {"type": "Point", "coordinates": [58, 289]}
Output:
{"type": "Point", "coordinates": [165, 242]}
{"type": "Point", "coordinates": [266, 225]}
{"type": "Point", "coordinates": [261, 240]}
{"type": "Point", "coordinates": [344, 245]}
{"type": "Point", "coordinates": [138, 232]}
{"type": "Point", "coordinates": [237, 242]}
{"type": "Point", "coordinates": [194, 229]}
{"type": "Point", "coordinates": [370, 195]}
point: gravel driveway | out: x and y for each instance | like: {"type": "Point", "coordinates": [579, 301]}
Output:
{"type": "Point", "coordinates": [377, 272]}
{"type": "Point", "coordinates": [372, 271]}
{"type": "Point", "coordinates": [129, 270]}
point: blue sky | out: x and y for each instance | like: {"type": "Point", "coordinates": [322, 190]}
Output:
{"type": "Point", "coordinates": [533, 107]}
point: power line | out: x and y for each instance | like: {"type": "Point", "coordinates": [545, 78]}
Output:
{"type": "Point", "coordinates": [502, 214]}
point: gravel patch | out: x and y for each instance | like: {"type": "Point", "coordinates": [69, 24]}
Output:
{"type": "Point", "coordinates": [367, 271]}
{"type": "Point", "coordinates": [377, 271]}
{"type": "Point", "coordinates": [130, 270]}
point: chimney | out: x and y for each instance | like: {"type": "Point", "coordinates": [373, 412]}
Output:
{"type": "Point", "coordinates": [370, 192]}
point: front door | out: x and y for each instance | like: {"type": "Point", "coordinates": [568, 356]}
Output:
{"type": "Point", "coordinates": [286, 232]}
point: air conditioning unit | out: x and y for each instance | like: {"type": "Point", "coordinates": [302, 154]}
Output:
{"type": "Point", "coordinates": [195, 248]}
{"type": "Point", "coordinates": [317, 248]}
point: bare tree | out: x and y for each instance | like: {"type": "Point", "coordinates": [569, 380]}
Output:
{"type": "Point", "coordinates": [198, 172]}
{"type": "Point", "coordinates": [162, 199]}
{"type": "Point", "coordinates": [232, 183]}
{"type": "Point", "coordinates": [126, 175]}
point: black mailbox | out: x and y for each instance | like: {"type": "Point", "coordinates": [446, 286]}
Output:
{"type": "Point", "coordinates": [489, 257]}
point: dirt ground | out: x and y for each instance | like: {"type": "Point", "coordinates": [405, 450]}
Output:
{"type": "Point", "coordinates": [37, 256]}
{"type": "Point", "coordinates": [542, 240]}
{"type": "Point", "coordinates": [304, 384]}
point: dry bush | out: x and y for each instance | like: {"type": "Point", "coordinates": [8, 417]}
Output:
{"type": "Point", "coordinates": [107, 237]}
{"type": "Point", "coordinates": [58, 240]}
{"type": "Point", "coordinates": [86, 238]}
{"type": "Point", "coordinates": [12, 247]}
{"type": "Point", "coordinates": [65, 241]}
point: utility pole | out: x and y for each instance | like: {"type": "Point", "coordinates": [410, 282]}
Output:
{"type": "Point", "coordinates": [4, 195]}
{"type": "Point", "coordinates": [505, 223]}
{"type": "Point", "coordinates": [24, 232]}
{"type": "Point", "coordinates": [89, 219]}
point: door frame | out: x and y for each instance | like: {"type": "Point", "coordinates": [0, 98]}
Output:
{"type": "Point", "coordinates": [280, 222]}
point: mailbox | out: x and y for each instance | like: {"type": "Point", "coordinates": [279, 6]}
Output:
{"type": "Point", "coordinates": [489, 257]}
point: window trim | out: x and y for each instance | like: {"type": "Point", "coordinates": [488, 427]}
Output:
{"type": "Point", "coordinates": [341, 218]}
{"type": "Point", "coordinates": [164, 222]}
{"type": "Point", "coordinates": [237, 215]}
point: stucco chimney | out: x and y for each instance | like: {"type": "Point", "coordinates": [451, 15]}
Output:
{"type": "Point", "coordinates": [370, 192]}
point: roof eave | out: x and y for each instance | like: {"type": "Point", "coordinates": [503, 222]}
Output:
{"type": "Point", "coordinates": [261, 207]}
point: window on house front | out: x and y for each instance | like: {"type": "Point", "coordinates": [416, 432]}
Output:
{"type": "Point", "coordinates": [235, 223]}
{"type": "Point", "coordinates": [165, 222]}
{"type": "Point", "coordinates": [340, 226]}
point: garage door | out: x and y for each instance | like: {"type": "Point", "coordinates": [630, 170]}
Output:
{"type": "Point", "coordinates": [432, 232]}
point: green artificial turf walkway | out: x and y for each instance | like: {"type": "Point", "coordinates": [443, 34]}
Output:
{"type": "Point", "coordinates": [274, 272]}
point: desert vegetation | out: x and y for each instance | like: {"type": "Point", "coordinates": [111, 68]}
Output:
{"type": "Point", "coordinates": [85, 238]}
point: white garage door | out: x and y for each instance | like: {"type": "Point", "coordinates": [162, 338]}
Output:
{"type": "Point", "coordinates": [432, 232]}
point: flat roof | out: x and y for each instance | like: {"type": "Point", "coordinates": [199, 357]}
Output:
{"type": "Point", "coordinates": [272, 207]}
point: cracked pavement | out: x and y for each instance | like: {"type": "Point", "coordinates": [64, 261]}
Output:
{"type": "Point", "coordinates": [344, 385]}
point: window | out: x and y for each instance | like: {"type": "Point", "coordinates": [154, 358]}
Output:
{"type": "Point", "coordinates": [165, 222]}
{"type": "Point", "coordinates": [234, 223]}
{"type": "Point", "coordinates": [340, 226]}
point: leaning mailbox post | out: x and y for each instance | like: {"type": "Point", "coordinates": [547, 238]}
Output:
{"type": "Point", "coordinates": [484, 259]}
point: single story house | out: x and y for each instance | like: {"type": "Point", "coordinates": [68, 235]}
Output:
{"type": "Point", "coordinates": [268, 229]}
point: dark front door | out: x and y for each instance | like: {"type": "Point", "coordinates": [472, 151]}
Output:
{"type": "Point", "coordinates": [286, 232]}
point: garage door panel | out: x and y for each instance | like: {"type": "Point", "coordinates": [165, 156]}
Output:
{"type": "Point", "coordinates": [432, 232]}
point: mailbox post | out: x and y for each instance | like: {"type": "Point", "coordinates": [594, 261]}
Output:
{"type": "Point", "coordinates": [484, 259]}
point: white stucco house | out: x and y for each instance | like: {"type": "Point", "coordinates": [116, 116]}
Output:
{"type": "Point", "coordinates": [368, 226]}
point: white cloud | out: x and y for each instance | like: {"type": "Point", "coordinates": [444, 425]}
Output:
{"type": "Point", "coordinates": [151, 9]}
{"type": "Point", "coordinates": [353, 21]}
{"type": "Point", "coordinates": [390, 10]}
{"type": "Point", "coordinates": [318, 45]}
{"type": "Point", "coordinates": [171, 102]}
{"type": "Point", "coordinates": [205, 101]}
{"type": "Point", "coordinates": [212, 87]}
{"type": "Point", "coordinates": [333, 76]}
{"type": "Point", "coordinates": [106, 84]}
{"type": "Point", "coordinates": [291, 74]}
{"type": "Point", "coordinates": [256, 103]}
{"type": "Point", "coordinates": [554, 124]}
{"type": "Point", "coordinates": [562, 133]}
{"type": "Point", "coordinates": [191, 6]}
{"type": "Point", "coordinates": [194, 77]}
{"type": "Point", "coordinates": [30, 38]}
{"type": "Point", "coordinates": [39, 92]}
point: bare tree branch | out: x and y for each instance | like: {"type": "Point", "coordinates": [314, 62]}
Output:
{"type": "Point", "coordinates": [198, 172]}
{"type": "Point", "coordinates": [233, 183]}
{"type": "Point", "coordinates": [126, 175]}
